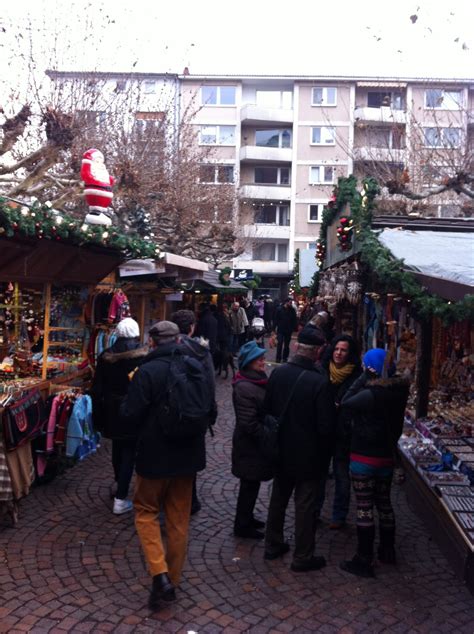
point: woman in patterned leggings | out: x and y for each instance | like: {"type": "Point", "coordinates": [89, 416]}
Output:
{"type": "Point", "coordinates": [378, 406]}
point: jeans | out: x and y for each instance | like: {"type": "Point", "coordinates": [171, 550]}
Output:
{"type": "Point", "coordinates": [305, 496]}
{"type": "Point", "coordinates": [123, 461]}
{"type": "Point", "coordinates": [248, 493]}
{"type": "Point", "coordinates": [173, 496]}
{"type": "Point", "coordinates": [342, 490]}
{"type": "Point", "coordinates": [283, 341]}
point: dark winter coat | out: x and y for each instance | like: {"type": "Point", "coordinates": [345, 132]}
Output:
{"type": "Point", "coordinates": [342, 416]}
{"type": "Point", "coordinates": [207, 328]}
{"type": "Point", "coordinates": [248, 396]}
{"type": "Point", "coordinates": [110, 385]}
{"type": "Point", "coordinates": [199, 349]}
{"type": "Point", "coordinates": [306, 431]}
{"type": "Point", "coordinates": [286, 320]}
{"type": "Point", "coordinates": [224, 331]}
{"type": "Point", "coordinates": [378, 408]}
{"type": "Point", "coordinates": [157, 455]}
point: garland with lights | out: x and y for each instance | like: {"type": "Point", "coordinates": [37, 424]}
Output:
{"type": "Point", "coordinates": [43, 222]}
{"type": "Point", "coordinates": [388, 270]}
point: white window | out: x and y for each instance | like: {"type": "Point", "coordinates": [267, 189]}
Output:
{"type": "Point", "coordinates": [272, 214]}
{"type": "Point", "coordinates": [149, 87]}
{"type": "Point", "coordinates": [323, 135]}
{"type": "Point", "coordinates": [272, 175]}
{"type": "Point", "coordinates": [442, 137]}
{"type": "Point", "coordinates": [217, 135]}
{"type": "Point", "coordinates": [443, 99]}
{"type": "Point", "coordinates": [216, 174]}
{"type": "Point", "coordinates": [275, 99]}
{"type": "Point", "coordinates": [324, 96]}
{"type": "Point", "coordinates": [218, 95]}
{"type": "Point", "coordinates": [315, 212]}
{"type": "Point", "coordinates": [321, 174]}
{"type": "Point", "coordinates": [273, 138]}
{"type": "Point", "coordinates": [271, 252]}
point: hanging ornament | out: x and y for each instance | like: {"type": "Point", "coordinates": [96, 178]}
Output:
{"type": "Point", "coordinates": [345, 232]}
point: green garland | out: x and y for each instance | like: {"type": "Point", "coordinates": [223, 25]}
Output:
{"type": "Point", "coordinates": [43, 222]}
{"type": "Point", "coordinates": [224, 276]}
{"type": "Point", "coordinates": [388, 270]}
{"type": "Point", "coordinates": [253, 284]}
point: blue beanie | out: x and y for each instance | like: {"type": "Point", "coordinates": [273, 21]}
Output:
{"type": "Point", "coordinates": [248, 353]}
{"type": "Point", "coordinates": [375, 359]}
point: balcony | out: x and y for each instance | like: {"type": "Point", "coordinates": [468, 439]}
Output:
{"type": "Point", "coordinates": [253, 114]}
{"type": "Point", "coordinates": [258, 154]}
{"type": "Point", "coordinates": [380, 115]}
{"type": "Point", "coordinates": [266, 231]}
{"type": "Point", "coordinates": [266, 192]}
{"type": "Point", "coordinates": [385, 154]}
{"type": "Point", "coordinates": [266, 267]}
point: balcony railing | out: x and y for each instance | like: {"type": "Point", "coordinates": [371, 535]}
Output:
{"type": "Point", "coordinates": [386, 154]}
{"type": "Point", "coordinates": [383, 114]}
{"type": "Point", "coordinates": [259, 154]}
{"type": "Point", "coordinates": [251, 113]}
{"type": "Point", "coordinates": [266, 192]}
{"type": "Point", "coordinates": [266, 267]}
{"type": "Point", "coordinates": [265, 231]}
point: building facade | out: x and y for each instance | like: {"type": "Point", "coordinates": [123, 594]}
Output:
{"type": "Point", "coordinates": [285, 141]}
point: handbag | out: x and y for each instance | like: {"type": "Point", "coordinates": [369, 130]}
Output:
{"type": "Point", "coordinates": [24, 420]}
{"type": "Point", "coordinates": [269, 444]}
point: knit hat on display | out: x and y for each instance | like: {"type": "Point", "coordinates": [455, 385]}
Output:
{"type": "Point", "coordinates": [127, 328]}
{"type": "Point", "coordinates": [248, 353]}
{"type": "Point", "coordinates": [375, 359]}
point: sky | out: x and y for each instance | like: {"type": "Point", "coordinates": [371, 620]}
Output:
{"type": "Point", "coordinates": [400, 38]}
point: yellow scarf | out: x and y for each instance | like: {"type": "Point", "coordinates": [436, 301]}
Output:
{"type": "Point", "coordinates": [338, 375]}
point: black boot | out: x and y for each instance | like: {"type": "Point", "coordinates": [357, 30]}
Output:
{"type": "Point", "coordinates": [257, 523]}
{"type": "Point", "coordinates": [161, 590]}
{"type": "Point", "coordinates": [195, 503]}
{"type": "Point", "coordinates": [386, 550]}
{"type": "Point", "coordinates": [248, 532]}
{"type": "Point", "coordinates": [358, 566]}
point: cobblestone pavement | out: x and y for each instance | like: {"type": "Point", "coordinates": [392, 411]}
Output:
{"type": "Point", "coordinates": [71, 565]}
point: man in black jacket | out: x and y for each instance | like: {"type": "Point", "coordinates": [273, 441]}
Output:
{"type": "Point", "coordinates": [286, 322]}
{"type": "Point", "coordinates": [198, 348]}
{"type": "Point", "coordinates": [300, 391]}
{"type": "Point", "coordinates": [165, 468]}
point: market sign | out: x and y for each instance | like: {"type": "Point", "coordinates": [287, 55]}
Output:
{"type": "Point", "coordinates": [242, 275]}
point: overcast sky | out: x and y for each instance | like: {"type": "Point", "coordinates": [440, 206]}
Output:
{"type": "Point", "coordinates": [311, 37]}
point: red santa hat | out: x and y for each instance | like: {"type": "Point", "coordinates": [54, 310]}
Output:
{"type": "Point", "coordinates": [90, 154]}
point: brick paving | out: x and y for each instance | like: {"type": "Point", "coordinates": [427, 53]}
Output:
{"type": "Point", "coordinates": [72, 566]}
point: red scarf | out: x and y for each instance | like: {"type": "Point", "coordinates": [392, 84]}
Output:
{"type": "Point", "coordinates": [241, 377]}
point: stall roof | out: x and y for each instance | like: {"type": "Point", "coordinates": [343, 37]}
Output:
{"type": "Point", "coordinates": [40, 261]}
{"type": "Point", "coordinates": [209, 280]}
{"type": "Point", "coordinates": [442, 261]}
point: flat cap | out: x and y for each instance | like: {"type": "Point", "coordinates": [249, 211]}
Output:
{"type": "Point", "coordinates": [164, 329]}
{"type": "Point", "coordinates": [311, 336]}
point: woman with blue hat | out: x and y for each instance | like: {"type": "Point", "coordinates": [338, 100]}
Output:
{"type": "Point", "coordinates": [377, 401]}
{"type": "Point", "coordinates": [248, 464]}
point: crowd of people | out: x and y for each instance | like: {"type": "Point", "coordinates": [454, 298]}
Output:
{"type": "Point", "coordinates": [320, 406]}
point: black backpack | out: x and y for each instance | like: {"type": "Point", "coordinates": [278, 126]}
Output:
{"type": "Point", "coordinates": [185, 411]}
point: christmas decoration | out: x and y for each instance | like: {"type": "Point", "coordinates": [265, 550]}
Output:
{"type": "Point", "coordinates": [345, 233]}
{"type": "Point", "coordinates": [97, 187]}
{"type": "Point", "coordinates": [52, 226]}
{"type": "Point", "coordinates": [224, 276]}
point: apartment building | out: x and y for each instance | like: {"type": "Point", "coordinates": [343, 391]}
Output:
{"type": "Point", "coordinates": [285, 141]}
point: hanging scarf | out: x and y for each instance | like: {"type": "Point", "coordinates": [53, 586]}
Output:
{"type": "Point", "coordinates": [338, 375]}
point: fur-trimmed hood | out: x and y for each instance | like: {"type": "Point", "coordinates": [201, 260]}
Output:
{"type": "Point", "coordinates": [115, 357]}
{"type": "Point", "coordinates": [393, 382]}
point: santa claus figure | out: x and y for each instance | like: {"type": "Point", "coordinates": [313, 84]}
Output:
{"type": "Point", "coordinates": [97, 187]}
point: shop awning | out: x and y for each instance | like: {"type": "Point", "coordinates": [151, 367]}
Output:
{"type": "Point", "coordinates": [442, 261]}
{"type": "Point", "coordinates": [209, 281]}
{"type": "Point", "coordinates": [40, 261]}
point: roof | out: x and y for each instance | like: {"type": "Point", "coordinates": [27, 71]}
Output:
{"type": "Point", "coordinates": [442, 261]}
{"type": "Point", "coordinates": [209, 281]}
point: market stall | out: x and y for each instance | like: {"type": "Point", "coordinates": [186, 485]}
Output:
{"type": "Point", "coordinates": [49, 266]}
{"type": "Point", "coordinates": [407, 285]}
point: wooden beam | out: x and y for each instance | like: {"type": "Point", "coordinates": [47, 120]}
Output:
{"type": "Point", "coordinates": [47, 316]}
